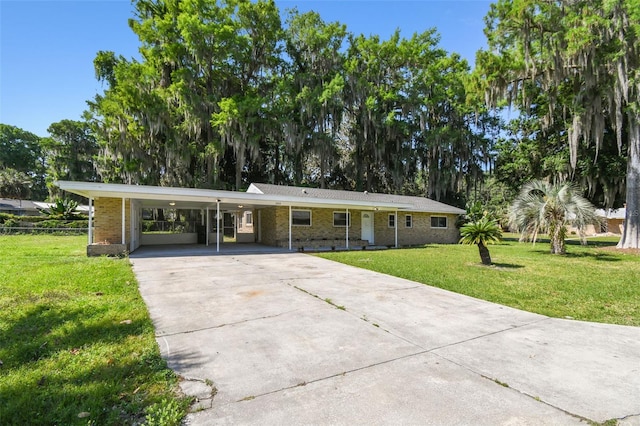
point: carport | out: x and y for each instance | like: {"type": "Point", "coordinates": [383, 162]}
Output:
{"type": "Point", "coordinates": [133, 199]}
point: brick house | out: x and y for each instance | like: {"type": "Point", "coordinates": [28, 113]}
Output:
{"type": "Point", "coordinates": [282, 216]}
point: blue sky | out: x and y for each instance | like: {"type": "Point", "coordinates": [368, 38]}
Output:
{"type": "Point", "coordinates": [47, 47]}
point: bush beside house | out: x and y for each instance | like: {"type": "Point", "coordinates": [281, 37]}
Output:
{"type": "Point", "coordinates": [10, 223]}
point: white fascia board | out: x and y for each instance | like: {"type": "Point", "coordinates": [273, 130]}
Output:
{"type": "Point", "coordinates": [329, 203]}
{"type": "Point", "coordinates": [143, 192]}
{"type": "Point", "coordinates": [453, 210]}
{"type": "Point", "coordinates": [209, 196]}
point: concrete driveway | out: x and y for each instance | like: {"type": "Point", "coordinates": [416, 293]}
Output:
{"type": "Point", "coordinates": [288, 338]}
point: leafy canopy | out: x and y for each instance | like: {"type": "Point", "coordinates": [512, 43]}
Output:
{"type": "Point", "coordinates": [482, 231]}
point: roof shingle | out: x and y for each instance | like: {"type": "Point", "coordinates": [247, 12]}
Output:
{"type": "Point", "coordinates": [420, 204]}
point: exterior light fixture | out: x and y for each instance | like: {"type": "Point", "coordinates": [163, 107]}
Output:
{"type": "Point", "coordinates": [172, 203]}
{"type": "Point", "coordinates": [240, 206]}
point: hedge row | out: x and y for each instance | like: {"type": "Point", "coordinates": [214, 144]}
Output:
{"type": "Point", "coordinates": [5, 230]}
{"type": "Point", "coordinates": [35, 219]}
{"type": "Point", "coordinates": [46, 223]}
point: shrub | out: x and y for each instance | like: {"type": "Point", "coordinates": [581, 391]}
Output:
{"type": "Point", "coordinates": [165, 413]}
{"type": "Point", "coordinates": [56, 223]}
{"type": "Point", "coordinates": [11, 223]}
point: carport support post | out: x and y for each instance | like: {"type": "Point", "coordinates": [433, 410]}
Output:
{"type": "Point", "coordinates": [123, 221]}
{"type": "Point", "coordinates": [395, 228]}
{"type": "Point", "coordinates": [290, 228]}
{"type": "Point", "coordinates": [208, 227]}
{"type": "Point", "coordinates": [347, 226]}
{"type": "Point", "coordinates": [90, 221]}
{"type": "Point", "coordinates": [217, 226]}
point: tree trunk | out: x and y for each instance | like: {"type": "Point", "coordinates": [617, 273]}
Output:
{"type": "Point", "coordinates": [485, 257]}
{"type": "Point", "coordinates": [557, 241]}
{"type": "Point", "coordinates": [239, 166]}
{"type": "Point", "coordinates": [631, 232]}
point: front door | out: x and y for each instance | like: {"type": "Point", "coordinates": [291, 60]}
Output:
{"type": "Point", "coordinates": [228, 227]}
{"type": "Point", "coordinates": [367, 226]}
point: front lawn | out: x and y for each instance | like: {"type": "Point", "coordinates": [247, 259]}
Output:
{"type": "Point", "coordinates": [76, 342]}
{"type": "Point", "coordinates": [590, 283]}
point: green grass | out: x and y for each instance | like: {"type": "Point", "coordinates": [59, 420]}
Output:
{"type": "Point", "coordinates": [76, 342]}
{"type": "Point", "coordinates": [590, 283]}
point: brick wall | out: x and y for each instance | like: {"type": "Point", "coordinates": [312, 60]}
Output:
{"type": "Point", "coordinates": [108, 220]}
{"type": "Point", "coordinates": [268, 226]}
{"type": "Point", "coordinates": [420, 233]}
{"type": "Point", "coordinates": [275, 228]}
{"type": "Point", "coordinates": [322, 226]}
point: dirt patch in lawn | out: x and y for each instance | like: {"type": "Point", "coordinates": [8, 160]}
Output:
{"type": "Point", "coordinates": [622, 251]}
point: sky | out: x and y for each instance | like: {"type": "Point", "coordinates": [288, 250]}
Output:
{"type": "Point", "coordinates": [47, 47]}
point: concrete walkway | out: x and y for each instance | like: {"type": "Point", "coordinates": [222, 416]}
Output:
{"type": "Point", "coordinates": [293, 339]}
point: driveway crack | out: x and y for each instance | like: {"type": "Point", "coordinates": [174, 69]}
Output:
{"type": "Point", "coordinates": [471, 339]}
{"type": "Point", "coordinates": [213, 327]}
{"type": "Point", "coordinates": [406, 288]}
{"type": "Point", "coordinates": [343, 373]}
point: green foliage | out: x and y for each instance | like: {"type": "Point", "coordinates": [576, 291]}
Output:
{"type": "Point", "coordinates": [63, 208]}
{"type": "Point", "coordinates": [167, 412]}
{"type": "Point", "coordinates": [19, 149]}
{"type": "Point", "coordinates": [56, 223]}
{"type": "Point", "coordinates": [21, 163]}
{"type": "Point", "coordinates": [546, 208]}
{"type": "Point", "coordinates": [197, 56]}
{"type": "Point", "coordinates": [495, 198]}
{"type": "Point", "coordinates": [225, 95]}
{"type": "Point", "coordinates": [14, 184]}
{"type": "Point", "coordinates": [76, 341]}
{"type": "Point", "coordinates": [532, 150]}
{"type": "Point", "coordinates": [10, 223]}
{"type": "Point", "coordinates": [475, 211]}
{"type": "Point", "coordinates": [574, 66]}
{"type": "Point", "coordinates": [481, 231]}
{"type": "Point", "coordinates": [588, 284]}
{"type": "Point", "coordinates": [69, 152]}
{"type": "Point", "coordinates": [79, 221]}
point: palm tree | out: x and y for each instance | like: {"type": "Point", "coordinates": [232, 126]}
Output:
{"type": "Point", "coordinates": [481, 232]}
{"type": "Point", "coordinates": [544, 207]}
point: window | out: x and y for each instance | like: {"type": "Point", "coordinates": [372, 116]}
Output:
{"type": "Point", "coordinates": [301, 217]}
{"type": "Point", "coordinates": [248, 218]}
{"type": "Point", "coordinates": [392, 220]}
{"type": "Point", "coordinates": [340, 219]}
{"type": "Point", "coordinates": [438, 221]}
{"type": "Point", "coordinates": [408, 221]}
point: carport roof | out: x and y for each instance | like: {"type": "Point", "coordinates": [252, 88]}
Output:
{"type": "Point", "coordinates": [175, 197]}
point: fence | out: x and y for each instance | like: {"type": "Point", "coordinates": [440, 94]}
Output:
{"type": "Point", "coordinates": [166, 226]}
{"type": "Point", "coordinates": [21, 230]}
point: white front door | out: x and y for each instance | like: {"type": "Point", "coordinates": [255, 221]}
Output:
{"type": "Point", "coordinates": [367, 226]}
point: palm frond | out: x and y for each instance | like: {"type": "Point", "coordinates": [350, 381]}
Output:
{"type": "Point", "coordinates": [541, 207]}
